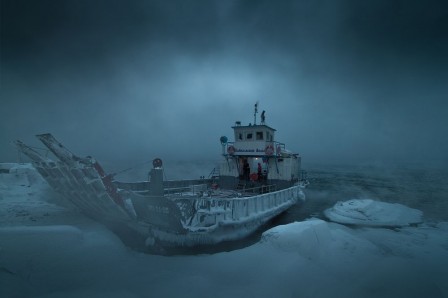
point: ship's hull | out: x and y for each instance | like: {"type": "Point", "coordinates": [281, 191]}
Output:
{"type": "Point", "coordinates": [193, 217]}
{"type": "Point", "coordinates": [243, 219]}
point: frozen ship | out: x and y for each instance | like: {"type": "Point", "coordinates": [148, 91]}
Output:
{"type": "Point", "coordinates": [257, 180]}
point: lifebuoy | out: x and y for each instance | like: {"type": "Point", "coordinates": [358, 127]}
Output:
{"type": "Point", "coordinates": [253, 177]}
{"type": "Point", "coordinates": [230, 150]}
{"type": "Point", "coordinates": [269, 150]}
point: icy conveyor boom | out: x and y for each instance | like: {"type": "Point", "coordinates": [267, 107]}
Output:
{"type": "Point", "coordinates": [81, 180]}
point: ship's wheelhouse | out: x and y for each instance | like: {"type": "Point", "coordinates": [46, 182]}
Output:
{"type": "Point", "coordinates": [255, 156]}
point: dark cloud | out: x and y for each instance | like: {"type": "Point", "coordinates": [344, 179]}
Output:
{"type": "Point", "coordinates": [345, 80]}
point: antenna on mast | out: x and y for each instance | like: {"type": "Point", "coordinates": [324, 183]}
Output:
{"type": "Point", "coordinates": [255, 113]}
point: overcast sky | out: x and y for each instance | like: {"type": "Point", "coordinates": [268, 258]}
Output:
{"type": "Point", "coordinates": [340, 80]}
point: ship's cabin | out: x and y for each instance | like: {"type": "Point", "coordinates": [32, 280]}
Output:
{"type": "Point", "coordinates": [253, 137]}
{"type": "Point", "coordinates": [256, 158]}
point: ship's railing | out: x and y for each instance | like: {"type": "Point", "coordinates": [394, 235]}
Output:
{"type": "Point", "coordinates": [237, 209]}
{"type": "Point", "coordinates": [184, 183]}
{"type": "Point", "coordinates": [260, 189]}
{"type": "Point", "coordinates": [133, 186]}
{"type": "Point", "coordinates": [191, 189]}
{"type": "Point", "coordinates": [170, 186]}
{"type": "Point", "coordinates": [258, 204]}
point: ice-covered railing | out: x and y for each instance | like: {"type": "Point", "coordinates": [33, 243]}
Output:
{"type": "Point", "coordinates": [203, 188]}
{"type": "Point", "coordinates": [170, 186]}
{"type": "Point", "coordinates": [260, 189]}
{"type": "Point", "coordinates": [194, 189]}
{"type": "Point", "coordinates": [245, 207]}
{"type": "Point", "coordinates": [210, 211]}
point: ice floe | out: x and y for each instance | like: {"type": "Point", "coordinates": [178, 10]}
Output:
{"type": "Point", "coordinates": [368, 212]}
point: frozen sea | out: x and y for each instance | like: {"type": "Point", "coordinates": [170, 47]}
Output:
{"type": "Point", "coordinates": [414, 185]}
{"type": "Point", "coordinates": [50, 250]}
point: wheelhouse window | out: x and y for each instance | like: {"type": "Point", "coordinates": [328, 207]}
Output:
{"type": "Point", "coordinates": [240, 136]}
{"type": "Point", "coordinates": [259, 135]}
{"type": "Point", "coordinates": [249, 136]}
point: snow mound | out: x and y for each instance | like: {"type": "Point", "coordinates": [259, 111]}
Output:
{"type": "Point", "coordinates": [318, 241]}
{"type": "Point", "coordinates": [300, 237]}
{"type": "Point", "coordinates": [23, 174]}
{"type": "Point", "coordinates": [368, 212]}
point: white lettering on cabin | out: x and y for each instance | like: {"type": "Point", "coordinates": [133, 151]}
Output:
{"type": "Point", "coordinates": [249, 150]}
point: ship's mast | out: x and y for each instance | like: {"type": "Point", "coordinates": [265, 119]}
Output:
{"type": "Point", "coordinates": [255, 113]}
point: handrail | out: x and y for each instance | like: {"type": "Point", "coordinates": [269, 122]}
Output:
{"type": "Point", "coordinates": [261, 188]}
{"type": "Point", "coordinates": [243, 207]}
